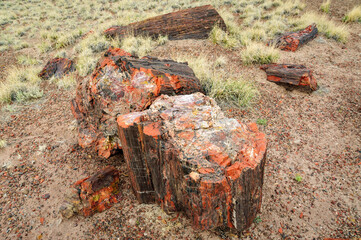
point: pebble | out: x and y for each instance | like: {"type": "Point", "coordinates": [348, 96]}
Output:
{"type": "Point", "coordinates": [46, 196]}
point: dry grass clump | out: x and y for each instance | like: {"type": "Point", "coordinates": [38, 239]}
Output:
{"type": "Point", "coordinates": [325, 6]}
{"type": "Point", "coordinates": [140, 45]}
{"type": "Point", "coordinates": [26, 60]}
{"type": "Point", "coordinates": [258, 53]}
{"type": "Point", "coordinates": [354, 15]}
{"type": "Point", "coordinates": [339, 32]}
{"type": "Point", "coordinates": [258, 22]}
{"type": "Point", "coordinates": [219, 85]}
{"type": "Point", "coordinates": [3, 144]}
{"type": "Point", "coordinates": [68, 81]}
{"type": "Point", "coordinates": [53, 40]}
{"type": "Point", "coordinates": [218, 36]}
{"type": "Point", "coordinates": [21, 84]}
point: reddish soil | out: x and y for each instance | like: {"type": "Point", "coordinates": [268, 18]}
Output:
{"type": "Point", "coordinates": [316, 135]}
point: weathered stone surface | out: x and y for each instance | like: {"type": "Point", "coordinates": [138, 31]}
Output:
{"type": "Point", "coordinates": [185, 154]}
{"type": "Point", "coordinates": [93, 194]}
{"type": "Point", "coordinates": [57, 67]}
{"type": "Point", "coordinates": [293, 40]}
{"type": "Point", "coordinates": [292, 74]}
{"type": "Point", "coordinates": [192, 23]}
{"type": "Point", "coordinates": [121, 84]}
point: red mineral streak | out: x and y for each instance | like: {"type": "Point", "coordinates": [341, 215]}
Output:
{"type": "Point", "coordinates": [57, 67]}
{"type": "Point", "coordinates": [214, 173]}
{"type": "Point", "coordinates": [292, 41]}
{"type": "Point", "coordinates": [99, 192]}
{"type": "Point", "coordinates": [121, 84]}
{"type": "Point", "coordinates": [93, 194]}
{"type": "Point", "coordinates": [292, 74]}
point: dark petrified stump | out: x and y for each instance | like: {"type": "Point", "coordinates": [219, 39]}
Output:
{"type": "Point", "coordinates": [93, 194]}
{"type": "Point", "coordinates": [185, 154]}
{"type": "Point", "coordinates": [292, 41]}
{"type": "Point", "coordinates": [57, 67]}
{"type": "Point", "coordinates": [292, 74]}
{"type": "Point", "coordinates": [121, 84]}
{"type": "Point", "coordinates": [193, 23]}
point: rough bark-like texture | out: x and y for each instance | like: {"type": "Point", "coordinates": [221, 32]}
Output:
{"type": "Point", "coordinates": [185, 154]}
{"type": "Point", "coordinates": [193, 23]}
{"type": "Point", "coordinates": [57, 67]}
{"type": "Point", "coordinates": [292, 41]}
{"type": "Point", "coordinates": [293, 74]}
{"type": "Point", "coordinates": [93, 194]}
{"type": "Point", "coordinates": [121, 84]}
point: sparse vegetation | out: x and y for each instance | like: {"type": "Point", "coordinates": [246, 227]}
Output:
{"type": "Point", "coordinates": [250, 24]}
{"type": "Point", "coordinates": [26, 60]}
{"type": "Point", "coordinates": [257, 53]}
{"type": "Point", "coordinates": [325, 6]}
{"type": "Point", "coordinates": [220, 61]}
{"type": "Point", "coordinates": [258, 219]}
{"type": "Point", "coordinates": [354, 15]}
{"type": "Point", "coordinates": [298, 178]}
{"type": "Point", "coordinates": [139, 46]}
{"type": "Point", "coordinates": [67, 82]}
{"type": "Point", "coordinates": [218, 36]}
{"type": "Point", "coordinates": [3, 144]}
{"type": "Point", "coordinates": [339, 32]}
{"type": "Point", "coordinates": [221, 86]}
{"type": "Point", "coordinates": [22, 84]}
{"type": "Point", "coordinates": [262, 121]}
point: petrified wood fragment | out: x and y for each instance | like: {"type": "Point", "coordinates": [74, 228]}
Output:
{"type": "Point", "coordinates": [93, 194]}
{"type": "Point", "coordinates": [193, 23]}
{"type": "Point", "coordinates": [292, 74]}
{"type": "Point", "coordinates": [121, 84]}
{"type": "Point", "coordinates": [185, 154]}
{"type": "Point", "coordinates": [57, 67]}
{"type": "Point", "coordinates": [293, 40]}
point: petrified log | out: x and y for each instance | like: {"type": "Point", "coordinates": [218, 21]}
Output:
{"type": "Point", "coordinates": [57, 67]}
{"type": "Point", "coordinates": [192, 23]}
{"type": "Point", "coordinates": [293, 40]}
{"type": "Point", "coordinates": [121, 84]}
{"type": "Point", "coordinates": [185, 154]}
{"type": "Point", "coordinates": [292, 74]}
{"type": "Point", "coordinates": [93, 194]}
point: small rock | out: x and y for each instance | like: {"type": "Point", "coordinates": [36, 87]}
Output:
{"type": "Point", "coordinates": [66, 211]}
{"type": "Point", "coordinates": [320, 40]}
{"type": "Point", "coordinates": [46, 196]}
{"type": "Point", "coordinates": [132, 221]}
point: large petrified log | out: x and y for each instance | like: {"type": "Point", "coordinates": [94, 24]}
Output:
{"type": "Point", "coordinates": [121, 84]}
{"type": "Point", "coordinates": [292, 74]}
{"type": "Point", "coordinates": [57, 67]}
{"type": "Point", "coordinates": [93, 194]}
{"type": "Point", "coordinates": [193, 23]}
{"type": "Point", "coordinates": [293, 40]}
{"type": "Point", "coordinates": [184, 153]}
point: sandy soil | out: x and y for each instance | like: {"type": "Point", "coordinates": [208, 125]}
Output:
{"type": "Point", "coordinates": [314, 134]}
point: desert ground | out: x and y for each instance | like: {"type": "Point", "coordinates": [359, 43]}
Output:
{"type": "Point", "coordinates": [312, 176]}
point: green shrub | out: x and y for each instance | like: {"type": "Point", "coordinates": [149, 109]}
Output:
{"type": "Point", "coordinates": [262, 121]}
{"type": "Point", "coordinates": [298, 178]}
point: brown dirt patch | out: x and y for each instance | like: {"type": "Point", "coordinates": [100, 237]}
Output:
{"type": "Point", "coordinates": [314, 134]}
